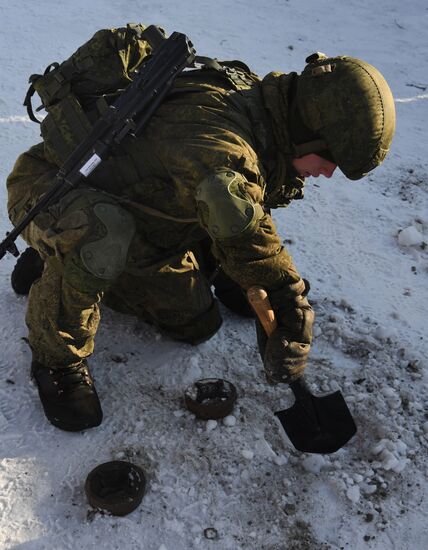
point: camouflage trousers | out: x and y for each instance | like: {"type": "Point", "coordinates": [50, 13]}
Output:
{"type": "Point", "coordinates": [93, 252]}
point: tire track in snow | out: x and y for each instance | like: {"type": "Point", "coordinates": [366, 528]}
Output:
{"type": "Point", "coordinates": [419, 97]}
{"type": "Point", "coordinates": [14, 118]}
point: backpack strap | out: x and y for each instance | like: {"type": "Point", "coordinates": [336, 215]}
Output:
{"type": "Point", "coordinates": [58, 76]}
{"type": "Point", "coordinates": [27, 103]}
{"type": "Point", "coordinates": [209, 62]}
{"type": "Point", "coordinates": [236, 72]}
{"type": "Point", "coordinates": [31, 91]}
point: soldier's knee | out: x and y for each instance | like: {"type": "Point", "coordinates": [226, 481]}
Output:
{"type": "Point", "coordinates": [199, 329]}
{"type": "Point", "coordinates": [104, 252]}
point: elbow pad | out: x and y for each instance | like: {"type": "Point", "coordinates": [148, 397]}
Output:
{"type": "Point", "coordinates": [228, 205]}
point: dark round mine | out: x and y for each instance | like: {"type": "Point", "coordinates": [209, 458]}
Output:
{"type": "Point", "coordinates": [116, 487]}
{"type": "Point", "coordinates": [210, 398]}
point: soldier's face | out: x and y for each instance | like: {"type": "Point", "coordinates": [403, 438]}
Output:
{"type": "Point", "coordinates": [314, 165]}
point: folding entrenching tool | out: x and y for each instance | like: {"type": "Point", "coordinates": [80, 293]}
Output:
{"type": "Point", "coordinates": [314, 424]}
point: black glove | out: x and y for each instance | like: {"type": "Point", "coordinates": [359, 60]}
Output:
{"type": "Point", "coordinates": [285, 352]}
{"type": "Point", "coordinates": [28, 269]}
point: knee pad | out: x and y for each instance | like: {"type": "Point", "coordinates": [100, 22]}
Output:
{"type": "Point", "coordinates": [106, 256]}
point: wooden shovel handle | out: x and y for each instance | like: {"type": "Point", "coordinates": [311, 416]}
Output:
{"type": "Point", "coordinates": [259, 301]}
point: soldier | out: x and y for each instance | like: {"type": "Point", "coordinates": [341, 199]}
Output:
{"type": "Point", "coordinates": [187, 205]}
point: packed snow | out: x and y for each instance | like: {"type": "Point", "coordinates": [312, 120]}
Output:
{"type": "Point", "coordinates": [238, 483]}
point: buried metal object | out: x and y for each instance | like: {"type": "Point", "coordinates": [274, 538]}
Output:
{"type": "Point", "coordinates": [210, 398]}
{"type": "Point", "coordinates": [117, 487]}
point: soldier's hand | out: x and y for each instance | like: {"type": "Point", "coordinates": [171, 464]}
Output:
{"type": "Point", "coordinates": [284, 360]}
{"type": "Point", "coordinates": [286, 351]}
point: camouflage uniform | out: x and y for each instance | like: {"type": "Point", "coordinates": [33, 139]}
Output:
{"type": "Point", "coordinates": [148, 264]}
{"type": "Point", "coordinates": [212, 162]}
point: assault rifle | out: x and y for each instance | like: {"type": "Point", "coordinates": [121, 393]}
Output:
{"type": "Point", "coordinates": [128, 115]}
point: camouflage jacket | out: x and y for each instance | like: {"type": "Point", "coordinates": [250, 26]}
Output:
{"type": "Point", "coordinates": [204, 124]}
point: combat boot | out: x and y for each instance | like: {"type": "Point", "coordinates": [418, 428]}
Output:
{"type": "Point", "coordinates": [68, 396]}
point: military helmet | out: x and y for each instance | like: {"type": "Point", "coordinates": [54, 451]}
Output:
{"type": "Point", "coordinates": [349, 107]}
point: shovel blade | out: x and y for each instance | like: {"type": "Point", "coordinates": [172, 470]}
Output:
{"type": "Point", "coordinates": [326, 432]}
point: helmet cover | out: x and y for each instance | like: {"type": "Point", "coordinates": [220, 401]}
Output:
{"type": "Point", "coordinates": [348, 104]}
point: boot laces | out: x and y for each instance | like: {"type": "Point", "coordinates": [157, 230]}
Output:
{"type": "Point", "coordinates": [71, 378]}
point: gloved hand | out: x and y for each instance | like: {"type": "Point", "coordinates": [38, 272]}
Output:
{"type": "Point", "coordinates": [285, 352]}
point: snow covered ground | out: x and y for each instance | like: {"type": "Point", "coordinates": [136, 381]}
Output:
{"type": "Point", "coordinates": [361, 244]}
